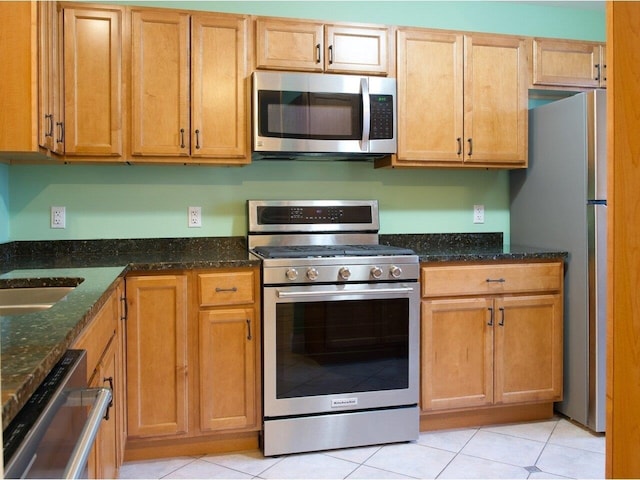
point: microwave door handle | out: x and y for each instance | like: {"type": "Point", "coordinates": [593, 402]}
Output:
{"type": "Point", "coordinates": [366, 114]}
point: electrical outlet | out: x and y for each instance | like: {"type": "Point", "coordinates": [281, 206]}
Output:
{"type": "Point", "coordinates": [195, 217]}
{"type": "Point", "coordinates": [478, 214]}
{"type": "Point", "coordinates": [58, 217]}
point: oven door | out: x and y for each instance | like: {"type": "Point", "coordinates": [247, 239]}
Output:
{"type": "Point", "coordinates": [336, 348]}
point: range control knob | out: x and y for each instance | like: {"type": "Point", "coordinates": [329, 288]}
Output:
{"type": "Point", "coordinates": [312, 273]}
{"type": "Point", "coordinates": [292, 274]}
{"type": "Point", "coordinates": [376, 272]}
{"type": "Point", "coordinates": [344, 273]}
{"type": "Point", "coordinates": [395, 271]}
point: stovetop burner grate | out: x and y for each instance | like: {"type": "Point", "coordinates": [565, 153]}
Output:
{"type": "Point", "coordinates": [305, 251]}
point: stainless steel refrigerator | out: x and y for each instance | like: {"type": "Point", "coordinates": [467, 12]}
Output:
{"type": "Point", "coordinates": [560, 202]}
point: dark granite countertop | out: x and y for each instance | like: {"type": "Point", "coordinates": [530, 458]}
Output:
{"type": "Point", "coordinates": [469, 247]}
{"type": "Point", "coordinates": [33, 343]}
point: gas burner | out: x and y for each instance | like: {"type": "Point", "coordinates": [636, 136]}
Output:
{"type": "Point", "coordinates": [310, 251]}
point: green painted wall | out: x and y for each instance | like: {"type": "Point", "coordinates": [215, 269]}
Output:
{"type": "Point", "coordinates": [4, 203]}
{"type": "Point", "coordinates": [123, 201]}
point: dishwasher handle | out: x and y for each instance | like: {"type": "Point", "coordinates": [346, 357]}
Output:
{"type": "Point", "coordinates": [101, 397]}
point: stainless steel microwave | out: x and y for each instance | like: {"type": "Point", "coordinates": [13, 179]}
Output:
{"type": "Point", "coordinates": [322, 115]}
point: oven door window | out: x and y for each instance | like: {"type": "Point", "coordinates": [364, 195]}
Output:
{"type": "Point", "coordinates": [341, 347]}
{"type": "Point", "coordinates": [308, 115]}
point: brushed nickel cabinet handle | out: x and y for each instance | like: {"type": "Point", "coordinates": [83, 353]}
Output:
{"type": "Point", "coordinates": [60, 139]}
{"type": "Point", "coordinates": [459, 140]}
{"type": "Point", "coordinates": [318, 53]}
{"type": "Point", "coordinates": [49, 118]}
{"type": "Point", "coordinates": [330, 54]}
{"type": "Point", "coordinates": [490, 317]}
{"type": "Point", "coordinates": [470, 146]}
{"type": "Point", "coordinates": [198, 139]}
{"type": "Point", "coordinates": [496, 280]}
{"type": "Point", "coordinates": [182, 145]}
{"type": "Point", "coordinates": [502, 317]}
{"type": "Point", "coordinates": [232, 289]}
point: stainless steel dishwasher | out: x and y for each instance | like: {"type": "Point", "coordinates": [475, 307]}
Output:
{"type": "Point", "coordinates": [52, 435]}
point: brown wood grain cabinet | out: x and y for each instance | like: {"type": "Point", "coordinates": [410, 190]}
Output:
{"type": "Point", "coordinates": [229, 349]}
{"type": "Point", "coordinates": [462, 100]}
{"type": "Point", "coordinates": [568, 63]}
{"type": "Point", "coordinates": [81, 109]}
{"type": "Point", "coordinates": [193, 340]}
{"type": "Point", "coordinates": [491, 336]}
{"type": "Point", "coordinates": [19, 136]}
{"type": "Point", "coordinates": [189, 77]}
{"type": "Point", "coordinates": [157, 377]}
{"type": "Point", "coordinates": [283, 44]}
{"type": "Point", "coordinates": [102, 340]}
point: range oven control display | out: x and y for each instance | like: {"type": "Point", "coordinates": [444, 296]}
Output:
{"type": "Point", "coordinates": [290, 215]}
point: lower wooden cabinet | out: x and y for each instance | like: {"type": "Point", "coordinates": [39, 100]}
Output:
{"type": "Point", "coordinates": [103, 339]}
{"type": "Point", "coordinates": [157, 376]}
{"type": "Point", "coordinates": [193, 360]}
{"type": "Point", "coordinates": [491, 335]}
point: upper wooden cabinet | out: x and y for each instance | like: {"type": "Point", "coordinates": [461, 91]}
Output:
{"type": "Point", "coordinates": [80, 80]}
{"type": "Point", "coordinates": [568, 63]}
{"type": "Point", "coordinates": [189, 86]}
{"type": "Point", "coordinates": [310, 46]}
{"type": "Point", "coordinates": [462, 100]}
{"type": "Point", "coordinates": [63, 74]}
{"type": "Point", "coordinates": [92, 83]}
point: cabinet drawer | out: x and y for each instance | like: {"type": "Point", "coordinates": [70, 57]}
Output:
{"type": "Point", "coordinates": [96, 336]}
{"type": "Point", "coordinates": [456, 280]}
{"type": "Point", "coordinates": [225, 288]}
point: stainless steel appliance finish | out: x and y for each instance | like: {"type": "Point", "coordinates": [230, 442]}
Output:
{"type": "Point", "coordinates": [561, 202]}
{"type": "Point", "coordinates": [52, 436]}
{"type": "Point", "coordinates": [340, 327]}
{"type": "Point", "coordinates": [323, 116]}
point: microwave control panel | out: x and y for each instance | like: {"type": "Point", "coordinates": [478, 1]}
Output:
{"type": "Point", "coordinates": [381, 127]}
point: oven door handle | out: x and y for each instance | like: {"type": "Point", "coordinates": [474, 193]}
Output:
{"type": "Point", "coordinates": [99, 398]}
{"type": "Point", "coordinates": [333, 293]}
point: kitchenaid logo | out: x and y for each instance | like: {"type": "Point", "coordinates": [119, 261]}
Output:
{"type": "Point", "coordinates": [343, 402]}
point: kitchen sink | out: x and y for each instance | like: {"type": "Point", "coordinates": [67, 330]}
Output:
{"type": "Point", "coordinates": [29, 299]}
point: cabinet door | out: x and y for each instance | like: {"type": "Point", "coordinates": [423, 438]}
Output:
{"type": "Point", "coordinates": [51, 122]}
{"type": "Point", "coordinates": [92, 82]}
{"type": "Point", "coordinates": [120, 383]}
{"type": "Point", "coordinates": [528, 349]}
{"type": "Point", "coordinates": [289, 45]}
{"type": "Point", "coordinates": [106, 441]}
{"type": "Point", "coordinates": [357, 50]}
{"type": "Point", "coordinates": [157, 355]}
{"type": "Point", "coordinates": [228, 369]}
{"type": "Point", "coordinates": [566, 63]}
{"type": "Point", "coordinates": [219, 96]}
{"type": "Point", "coordinates": [457, 353]}
{"type": "Point", "coordinates": [47, 72]}
{"type": "Point", "coordinates": [430, 69]}
{"type": "Point", "coordinates": [496, 101]}
{"type": "Point", "coordinates": [160, 83]}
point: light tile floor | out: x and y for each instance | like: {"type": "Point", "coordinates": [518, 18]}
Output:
{"type": "Point", "coordinates": [555, 448]}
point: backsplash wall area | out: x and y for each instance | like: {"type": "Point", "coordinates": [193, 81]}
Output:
{"type": "Point", "coordinates": [124, 201]}
{"type": "Point", "coordinates": [137, 201]}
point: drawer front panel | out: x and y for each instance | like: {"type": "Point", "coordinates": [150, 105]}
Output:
{"type": "Point", "coordinates": [225, 288]}
{"type": "Point", "coordinates": [457, 280]}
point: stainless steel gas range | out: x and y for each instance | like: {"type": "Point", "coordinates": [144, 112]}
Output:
{"type": "Point", "coordinates": [340, 327]}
